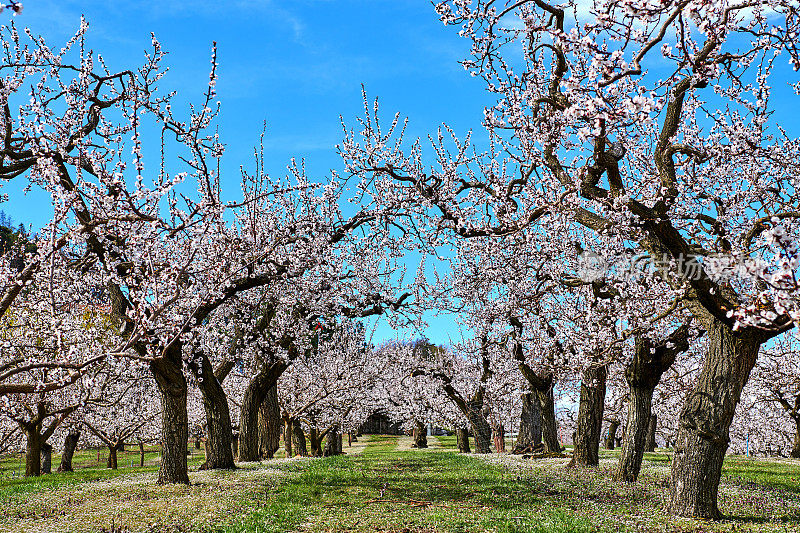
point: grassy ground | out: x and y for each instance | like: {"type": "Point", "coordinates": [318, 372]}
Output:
{"type": "Point", "coordinates": [387, 487]}
{"type": "Point", "coordinates": [13, 466]}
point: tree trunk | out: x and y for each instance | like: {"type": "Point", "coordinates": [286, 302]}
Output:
{"type": "Point", "coordinates": [705, 420]}
{"type": "Point", "coordinates": [47, 458]}
{"type": "Point", "coordinates": [112, 458]}
{"type": "Point", "coordinates": [70, 444]}
{"type": "Point", "coordinates": [141, 453]}
{"type": "Point", "coordinates": [287, 436]}
{"type": "Point", "coordinates": [171, 383]}
{"type": "Point", "coordinates": [481, 431]}
{"type": "Point", "coordinates": [795, 453]}
{"type": "Point", "coordinates": [530, 425]}
{"type": "Point", "coordinates": [643, 374]}
{"type": "Point", "coordinates": [219, 451]}
{"type": "Point", "coordinates": [499, 437]}
{"type": "Point", "coordinates": [249, 443]}
{"type": "Point", "coordinates": [650, 445]}
{"type": "Point", "coordinates": [613, 426]}
{"type": "Point", "coordinates": [270, 423]}
{"type": "Point", "coordinates": [256, 392]}
{"type": "Point", "coordinates": [299, 439]}
{"type": "Point", "coordinates": [462, 439]}
{"type": "Point", "coordinates": [315, 442]}
{"type": "Point", "coordinates": [420, 435]}
{"type": "Point", "coordinates": [590, 416]}
{"type": "Point", "coordinates": [235, 445]}
{"type": "Point", "coordinates": [542, 386]}
{"type": "Point", "coordinates": [33, 452]}
{"type": "Point", "coordinates": [333, 444]}
{"type": "Point", "coordinates": [635, 437]}
{"type": "Point", "coordinates": [549, 424]}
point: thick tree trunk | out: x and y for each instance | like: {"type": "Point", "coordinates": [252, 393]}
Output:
{"type": "Point", "coordinates": [141, 453]}
{"type": "Point", "coordinates": [420, 435]}
{"type": "Point", "coordinates": [254, 395]}
{"type": "Point", "coordinates": [287, 436]}
{"type": "Point", "coordinates": [462, 440]}
{"type": "Point", "coordinates": [643, 374]}
{"type": "Point", "coordinates": [333, 443]}
{"type": "Point", "coordinates": [635, 437]}
{"type": "Point", "coordinates": [70, 444]}
{"type": "Point", "coordinates": [705, 420]}
{"type": "Point", "coordinates": [315, 442]}
{"type": "Point", "coordinates": [270, 424]}
{"type": "Point", "coordinates": [652, 424]}
{"type": "Point", "coordinates": [111, 462]}
{"type": "Point", "coordinates": [33, 452]}
{"type": "Point", "coordinates": [171, 383]}
{"type": "Point", "coordinates": [530, 425]}
{"type": "Point", "coordinates": [219, 451]}
{"type": "Point", "coordinates": [611, 438]}
{"type": "Point", "coordinates": [795, 453]}
{"type": "Point", "coordinates": [481, 431]}
{"type": "Point", "coordinates": [549, 423]}
{"type": "Point", "coordinates": [47, 458]}
{"type": "Point", "coordinates": [299, 439]}
{"type": "Point", "coordinates": [590, 416]}
{"type": "Point", "coordinates": [543, 389]}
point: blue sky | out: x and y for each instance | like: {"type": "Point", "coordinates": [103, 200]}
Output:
{"type": "Point", "coordinates": [298, 65]}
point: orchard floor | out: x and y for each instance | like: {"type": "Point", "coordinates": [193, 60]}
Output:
{"type": "Point", "coordinates": [383, 485]}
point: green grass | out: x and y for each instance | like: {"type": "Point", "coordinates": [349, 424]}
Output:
{"type": "Point", "coordinates": [391, 490]}
{"type": "Point", "coordinates": [87, 469]}
{"type": "Point", "coordinates": [386, 490]}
